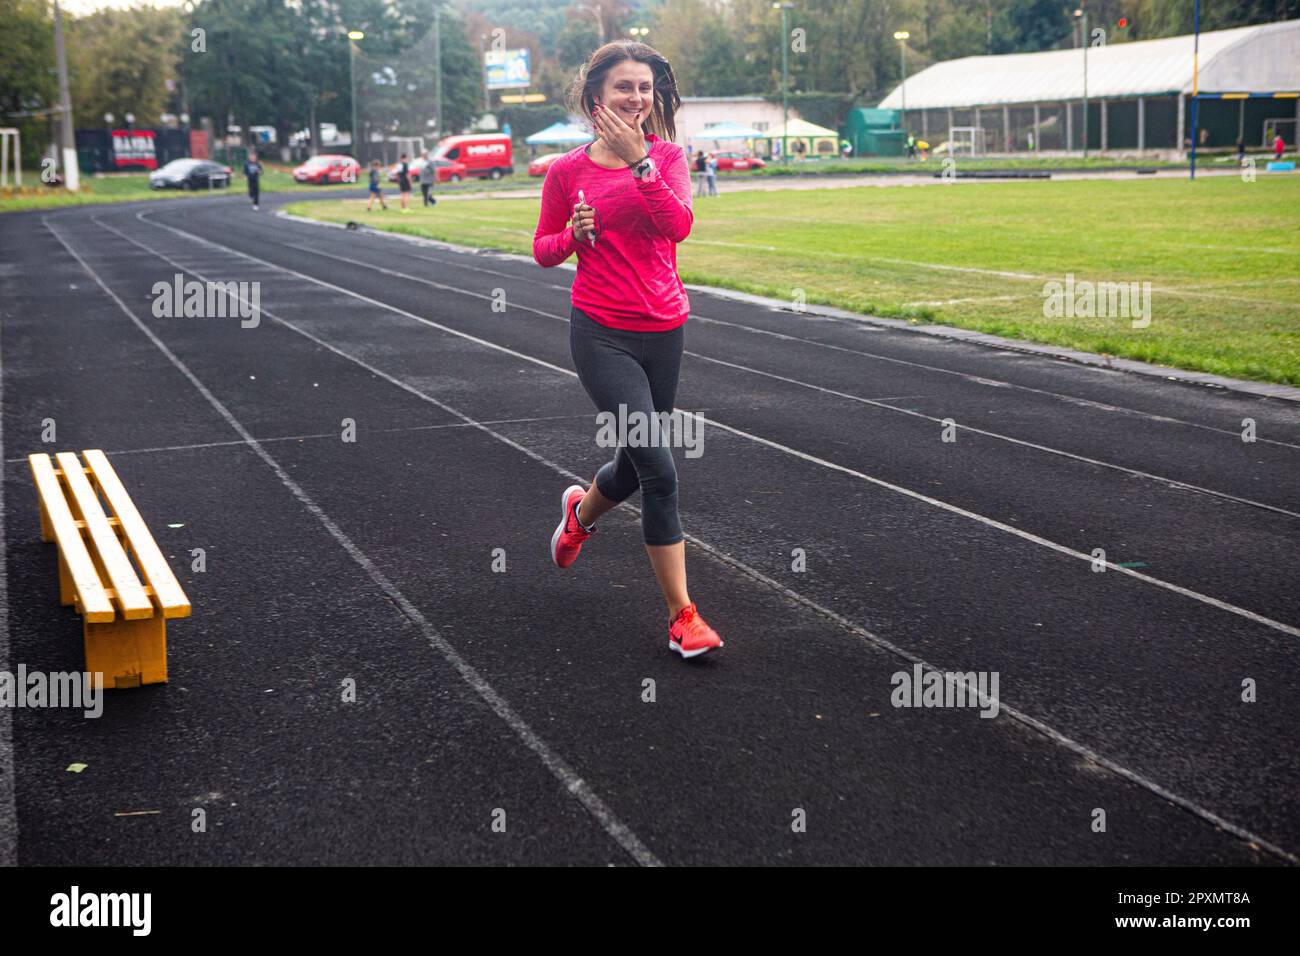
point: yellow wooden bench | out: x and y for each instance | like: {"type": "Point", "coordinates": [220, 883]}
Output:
{"type": "Point", "coordinates": [124, 619]}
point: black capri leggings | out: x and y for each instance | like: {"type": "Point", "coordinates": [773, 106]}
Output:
{"type": "Point", "coordinates": [639, 371]}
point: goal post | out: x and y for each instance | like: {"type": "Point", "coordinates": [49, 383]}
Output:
{"type": "Point", "coordinates": [11, 146]}
{"type": "Point", "coordinates": [966, 139]}
{"type": "Point", "coordinates": [1276, 125]}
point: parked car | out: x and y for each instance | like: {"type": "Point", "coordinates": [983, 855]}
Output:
{"type": "Point", "coordinates": [448, 171]}
{"type": "Point", "coordinates": [737, 162]}
{"type": "Point", "coordinates": [541, 164]}
{"type": "Point", "coordinates": [326, 168]}
{"type": "Point", "coordinates": [190, 174]}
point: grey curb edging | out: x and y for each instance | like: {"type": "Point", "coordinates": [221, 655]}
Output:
{"type": "Point", "coordinates": [1284, 393]}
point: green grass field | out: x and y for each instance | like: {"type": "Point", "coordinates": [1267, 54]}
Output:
{"type": "Point", "coordinates": [869, 165]}
{"type": "Point", "coordinates": [1221, 256]}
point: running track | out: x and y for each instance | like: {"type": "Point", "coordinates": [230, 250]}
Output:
{"type": "Point", "coordinates": [523, 690]}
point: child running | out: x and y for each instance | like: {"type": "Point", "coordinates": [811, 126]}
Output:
{"type": "Point", "coordinates": [375, 192]}
{"type": "Point", "coordinates": [623, 203]}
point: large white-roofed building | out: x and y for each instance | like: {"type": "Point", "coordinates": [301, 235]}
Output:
{"type": "Point", "coordinates": [1139, 94]}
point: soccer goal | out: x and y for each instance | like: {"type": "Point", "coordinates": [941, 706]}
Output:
{"type": "Point", "coordinates": [966, 139]}
{"type": "Point", "coordinates": [10, 152]}
{"type": "Point", "coordinates": [1274, 127]}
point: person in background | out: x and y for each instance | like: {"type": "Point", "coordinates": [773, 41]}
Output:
{"type": "Point", "coordinates": [701, 172]}
{"type": "Point", "coordinates": [253, 171]}
{"type": "Point", "coordinates": [404, 182]}
{"type": "Point", "coordinates": [711, 173]}
{"type": "Point", "coordinates": [846, 149]}
{"type": "Point", "coordinates": [375, 192]}
{"type": "Point", "coordinates": [799, 147]}
{"type": "Point", "coordinates": [428, 176]}
{"type": "Point", "coordinates": [911, 146]}
{"type": "Point", "coordinates": [1279, 147]}
{"type": "Point", "coordinates": [1241, 152]}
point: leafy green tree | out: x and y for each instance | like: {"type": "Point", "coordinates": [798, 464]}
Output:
{"type": "Point", "coordinates": [122, 61]}
{"type": "Point", "coordinates": [27, 79]}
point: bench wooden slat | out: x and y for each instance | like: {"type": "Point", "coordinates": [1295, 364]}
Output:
{"type": "Point", "coordinates": [95, 604]}
{"type": "Point", "coordinates": [158, 574]}
{"type": "Point", "coordinates": [131, 599]}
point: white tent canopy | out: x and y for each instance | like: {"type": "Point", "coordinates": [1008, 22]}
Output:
{"type": "Point", "coordinates": [559, 134]}
{"type": "Point", "coordinates": [1258, 59]}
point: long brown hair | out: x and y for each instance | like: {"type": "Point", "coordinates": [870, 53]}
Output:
{"type": "Point", "coordinates": [591, 81]}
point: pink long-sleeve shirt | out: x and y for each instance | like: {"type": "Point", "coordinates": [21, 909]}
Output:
{"type": "Point", "coordinates": [628, 279]}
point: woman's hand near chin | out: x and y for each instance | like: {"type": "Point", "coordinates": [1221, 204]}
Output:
{"type": "Point", "coordinates": [622, 140]}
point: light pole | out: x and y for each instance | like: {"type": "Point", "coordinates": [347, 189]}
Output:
{"type": "Point", "coordinates": [901, 36]}
{"type": "Point", "coordinates": [1082, 15]}
{"type": "Point", "coordinates": [71, 178]}
{"type": "Point", "coordinates": [437, 60]}
{"type": "Point", "coordinates": [482, 49]}
{"type": "Point", "coordinates": [353, 37]}
{"type": "Point", "coordinates": [638, 31]}
{"type": "Point", "coordinates": [1196, 92]}
{"type": "Point", "coordinates": [785, 79]}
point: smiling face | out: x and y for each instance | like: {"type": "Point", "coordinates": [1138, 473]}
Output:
{"type": "Point", "coordinates": [629, 90]}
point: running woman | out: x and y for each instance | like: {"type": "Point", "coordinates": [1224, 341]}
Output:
{"type": "Point", "coordinates": [623, 203]}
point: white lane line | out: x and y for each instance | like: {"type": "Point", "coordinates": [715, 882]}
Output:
{"type": "Point", "coordinates": [822, 462]}
{"type": "Point", "coordinates": [330, 435]}
{"type": "Point", "coordinates": [978, 298]}
{"type": "Point", "coordinates": [875, 403]}
{"type": "Point", "coordinates": [867, 259]}
{"type": "Point", "coordinates": [8, 778]}
{"type": "Point", "coordinates": [880, 403]}
{"type": "Point", "coordinates": [568, 778]}
{"type": "Point", "coordinates": [1051, 733]}
{"type": "Point", "coordinates": [991, 383]}
{"type": "Point", "coordinates": [454, 258]}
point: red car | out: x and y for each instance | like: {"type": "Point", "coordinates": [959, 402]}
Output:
{"type": "Point", "coordinates": [449, 171]}
{"type": "Point", "coordinates": [737, 162]}
{"type": "Point", "coordinates": [541, 164]}
{"type": "Point", "coordinates": [325, 169]}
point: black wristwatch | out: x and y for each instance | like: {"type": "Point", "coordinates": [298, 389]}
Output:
{"type": "Point", "coordinates": [643, 167]}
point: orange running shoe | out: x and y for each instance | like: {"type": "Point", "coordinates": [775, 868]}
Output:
{"type": "Point", "coordinates": [570, 534]}
{"type": "Point", "coordinates": [689, 636]}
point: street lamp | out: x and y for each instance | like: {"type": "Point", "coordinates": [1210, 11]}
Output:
{"type": "Point", "coordinates": [638, 31]}
{"type": "Point", "coordinates": [1082, 16]}
{"type": "Point", "coordinates": [785, 79]}
{"type": "Point", "coordinates": [901, 36]}
{"type": "Point", "coordinates": [353, 37]}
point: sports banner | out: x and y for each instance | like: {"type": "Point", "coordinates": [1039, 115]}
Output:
{"type": "Point", "coordinates": [134, 147]}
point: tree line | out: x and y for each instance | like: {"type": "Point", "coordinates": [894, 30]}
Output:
{"type": "Point", "coordinates": [285, 63]}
